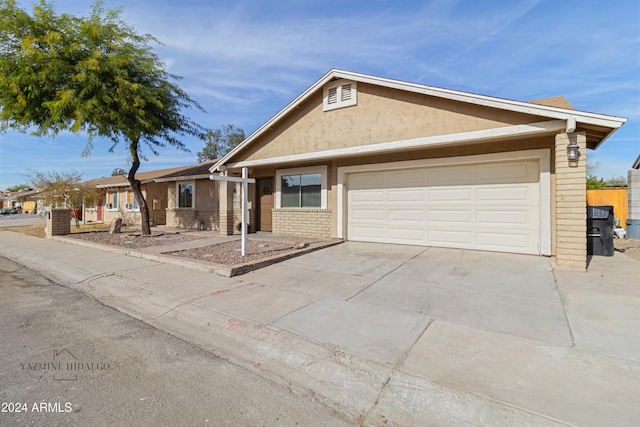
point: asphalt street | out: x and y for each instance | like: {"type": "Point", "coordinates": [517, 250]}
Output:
{"type": "Point", "coordinates": [66, 359]}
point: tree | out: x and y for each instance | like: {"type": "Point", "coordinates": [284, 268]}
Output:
{"type": "Point", "coordinates": [118, 172]}
{"type": "Point", "coordinates": [63, 188]}
{"type": "Point", "coordinates": [219, 142]}
{"type": "Point", "coordinates": [92, 75]}
{"type": "Point", "coordinates": [18, 187]}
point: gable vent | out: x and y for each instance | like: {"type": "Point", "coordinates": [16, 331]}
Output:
{"type": "Point", "coordinates": [333, 95]}
{"type": "Point", "coordinates": [339, 94]}
{"type": "Point", "coordinates": [346, 93]}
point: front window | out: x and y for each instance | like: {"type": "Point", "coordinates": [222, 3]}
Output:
{"type": "Point", "coordinates": [185, 195]}
{"type": "Point", "coordinates": [112, 200]}
{"type": "Point", "coordinates": [132, 202]}
{"type": "Point", "coordinates": [302, 190]}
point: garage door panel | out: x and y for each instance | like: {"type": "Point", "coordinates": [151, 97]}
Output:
{"type": "Point", "coordinates": [511, 194]}
{"type": "Point", "coordinates": [399, 235]}
{"type": "Point", "coordinates": [369, 214]}
{"type": "Point", "coordinates": [513, 172]}
{"type": "Point", "coordinates": [522, 217]}
{"type": "Point", "coordinates": [408, 178]}
{"type": "Point", "coordinates": [450, 236]}
{"type": "Point", "coordinates": [440, 217]}
{"type": "Point", "coordinates": [449, 194]}
{"type": "Point", "coordinates": [367, 180]}
{"type": "Point", "coordinates": [364, 232]}
{"type": "Point", "coordinates": [406, 195]}
{"type": "Point", "coordinates": [451, 175]}
{"type": "Point", "coordinates": [368, 196]}
{"type": "Point", "coordinates": [418, 215]}
{"type": "Point", "coordinates": [494, 206]}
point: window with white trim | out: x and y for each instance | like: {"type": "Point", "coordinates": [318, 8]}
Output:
{"type": "Point", "coordinates": [112, 201]}
{"type": "Point", "coordinates": [185, 197]}
{"type": "Point", "coordinates": [132, 202]}
{"type": "Point", "coordinates": [339, 94]}
{"type": "Point", "coordinates": [301, 191]}
{"type": "Point", "coordinates": [302, 188]}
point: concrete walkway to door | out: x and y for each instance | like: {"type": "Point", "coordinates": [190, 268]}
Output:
{"type": "Point", "coordinates": [396, 335]}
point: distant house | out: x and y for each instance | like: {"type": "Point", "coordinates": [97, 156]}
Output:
{"type": "Point", "coordinates": [371, 159]}
{"type": "Point", "coordinates": [29, 201]}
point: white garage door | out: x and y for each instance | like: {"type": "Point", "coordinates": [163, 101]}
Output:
{"type": "Point", "coordinates": [486, 206]}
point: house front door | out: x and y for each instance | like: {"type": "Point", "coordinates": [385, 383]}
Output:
{"type": "Point", "coordinates": [99, 211]}
{"type": "Point", "coordinates": [265, 202]}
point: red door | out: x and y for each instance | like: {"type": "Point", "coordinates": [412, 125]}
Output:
{"type": "Point", "coordinates": [99, 212]}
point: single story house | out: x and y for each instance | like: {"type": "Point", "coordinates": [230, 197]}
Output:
{"type": "Point", "coordinates": [182, 197]}
{"type": "Point", "coordinates": [372, 159]}
{"type": "Point", "coordinates": [118, 201]}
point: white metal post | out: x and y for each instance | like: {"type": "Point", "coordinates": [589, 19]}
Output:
{"type": "Point", "coordinates": [245, 188]}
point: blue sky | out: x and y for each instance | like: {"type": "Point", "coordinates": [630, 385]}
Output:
{"type": "Point", "coordinates": [243, 61]}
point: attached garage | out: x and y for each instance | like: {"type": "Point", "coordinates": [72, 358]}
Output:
{"type": "Point", "coordinates": [487, 206]}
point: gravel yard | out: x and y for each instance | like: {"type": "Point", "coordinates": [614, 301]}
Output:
{"type": "Point", "coordinates": [229, 252]}
{"type": "Point", "coordinates": [134, 239]}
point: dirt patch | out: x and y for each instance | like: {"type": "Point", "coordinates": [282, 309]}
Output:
{"type": "Point", "coordinates": [29, 230]}
{"type": "Point", "coordinates": [229, 253]}
{"type": "Point", "coordinates": [134, 239]}
{"type": "Point", "coordinates": [629, 247]}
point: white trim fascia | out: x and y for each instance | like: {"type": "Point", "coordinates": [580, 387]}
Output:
{"type": "Point", "coordinates": [543, 155]}
{"type": "Point", "coordinates": [321, 169]}
{"type": "Point", "coordinates": [493, 134]}
{"type": "Point", "coordinates": [488, 101]}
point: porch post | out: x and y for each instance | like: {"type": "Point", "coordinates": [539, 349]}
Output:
{"type": "Point", "coordinates": [571, 202]}
{"type": "Point", "coordinates": [226, 208]}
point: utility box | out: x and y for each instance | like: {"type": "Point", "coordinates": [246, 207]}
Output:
{"type": "Point", "coordinates": [600, 230]}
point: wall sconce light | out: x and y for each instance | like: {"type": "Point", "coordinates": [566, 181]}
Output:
{"type": "Point", "coordinates": [573, 152]}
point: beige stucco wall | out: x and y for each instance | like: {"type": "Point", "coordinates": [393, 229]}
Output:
{"type": "Point", "coordinates": [205, 213]}
{"type": "Point", "coordinates": [382, 115]}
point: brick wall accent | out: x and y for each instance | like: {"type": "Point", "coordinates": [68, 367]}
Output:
{"type": "Point", "coordinates": [237, 219]}
{"type": "Point", "coordinates": [58, 222]}
{"type": "Point", "coordinates": [571, 202]}
{"type": "Point", "coordinates": [302, 222]}
{"type": "Point", "coordinates": [192, 218]}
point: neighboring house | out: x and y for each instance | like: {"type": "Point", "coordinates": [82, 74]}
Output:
{"type": "Point", "coordinates": [198, 195]}
{"type": "Point", "coordinates": [24, 200]}
{"type": "Point", "coordinates": [30, 201]}
{"type": "Point", "coordinates": [117, 199]}
{"type": "Point", "coordinates": [371, 159]}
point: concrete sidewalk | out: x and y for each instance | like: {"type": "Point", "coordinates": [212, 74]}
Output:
{"type": "Point", "coordinates": [396, 335]}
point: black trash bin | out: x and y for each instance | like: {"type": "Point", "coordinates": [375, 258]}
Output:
{"type": "Point", "coordinates": [600, 230]}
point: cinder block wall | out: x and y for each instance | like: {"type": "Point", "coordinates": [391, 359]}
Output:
{"type": "Point", "coordinates": [58, 222]}
{"type": "Point", "coordinates": [302, 222]}
{"type": "Point", "coordinates": [571, 202]}
{"type": "Point", "coordinates": [634, 194]}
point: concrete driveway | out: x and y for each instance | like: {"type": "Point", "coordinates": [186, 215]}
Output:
{"type": "Point", "coordinates": [397, 335]}
{"type": "Point", "coordinates": [385, 296]}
